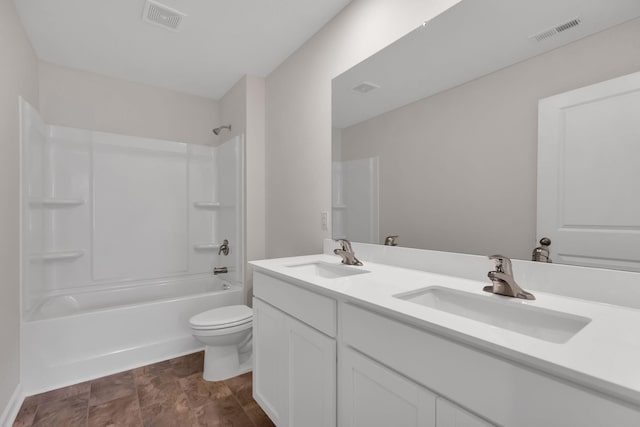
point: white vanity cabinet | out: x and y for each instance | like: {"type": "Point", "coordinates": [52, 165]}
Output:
{"type": "Point", "coordinates": [294, 362]}
{"type": "Point", "coordinates": [327, 358]}
{"type": "Point", "coordinates": [494, 388]}
{"type": "Point", "coordinates": [372, 395]}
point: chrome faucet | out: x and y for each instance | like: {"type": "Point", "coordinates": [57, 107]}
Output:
{"type": "Point", "coordinates": [541, 253]}
{"type": "Point", "coordinates": [346, 252]}
{"type": "Point", "coordinates": [503, 281]}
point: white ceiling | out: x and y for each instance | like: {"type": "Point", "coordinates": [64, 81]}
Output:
{"type": "Point", "coordinates": [472, 39]}
{"type": "Point", "coordinates": [218, 43]}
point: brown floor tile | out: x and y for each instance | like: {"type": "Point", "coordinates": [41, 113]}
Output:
{"type": "Point", "coordinates": [27, 413]}
{"type": "Point", "coordinates": [63, 393]}
{"type": "Point", "coordinates": [241, 387]}
{"type": "Point", "coordinates": [157, 388]}
{"type": "Point", "coordinates": [225, 411]}
{"type": "Point", "coordinates": [113, 387]}
{"type": "Point", "coordinates": [70, 412]}
{"type": "Point", "coordinates": [124, 411]}
{"type": "Point", "coordinates": [188, 365]}
{"type": "Point", "coordinates": [201, 392]}
{"type": "Point", "coordinates": [257, 415]}
{"type": "Point", "coordinates": [170, 393]}
{"type": "Point", "coordinates": [170, 413]}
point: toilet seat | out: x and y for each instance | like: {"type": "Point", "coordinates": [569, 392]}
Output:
{"type": "Point", "coordinates": [222, 318]}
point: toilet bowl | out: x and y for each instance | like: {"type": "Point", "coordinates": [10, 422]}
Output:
{"type": "Point", "coordinates": [227, 336]}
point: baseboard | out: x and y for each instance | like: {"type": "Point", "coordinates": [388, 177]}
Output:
{"type": "Point", "coordinates": [13, 406]}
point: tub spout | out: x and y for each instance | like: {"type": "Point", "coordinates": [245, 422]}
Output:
{"type": "Point", "coordinates": [220, 270]}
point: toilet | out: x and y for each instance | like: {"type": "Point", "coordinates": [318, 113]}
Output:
{"type": "Point", "coordinates": [227, 336]}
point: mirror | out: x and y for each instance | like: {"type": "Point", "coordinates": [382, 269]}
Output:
{"type": "Point", "coordinates": [435, 137]}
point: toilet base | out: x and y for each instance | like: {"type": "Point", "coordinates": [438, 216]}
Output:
{"type": "Point", "coordinates": [224, 362]}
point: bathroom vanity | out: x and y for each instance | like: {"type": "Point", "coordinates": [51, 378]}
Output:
{"type": "Point", "coordinates": [410, 339]}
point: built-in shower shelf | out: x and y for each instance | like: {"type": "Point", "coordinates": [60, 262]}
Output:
{"type": "Point", "coordinates": [339, 207]}
{"type": "Point", "coordinates": [207, 247]}
{"type": "Point", "coordinates": [57, 256]}
{"type": "Point", "coordinates": [55, 202]}
{"type": "Point", "coordinates": [206, 205]}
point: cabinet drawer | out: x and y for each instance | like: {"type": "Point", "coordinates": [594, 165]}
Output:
{"type": "Point", "coordinates": [498, 390]}
{"type": "Point", "coordinates": [315, 310]}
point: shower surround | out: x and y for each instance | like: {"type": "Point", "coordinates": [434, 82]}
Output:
{"type": "Point", "coordinates": [119, 238]}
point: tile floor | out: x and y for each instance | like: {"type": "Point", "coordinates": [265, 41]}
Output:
{"type": "Point", "coordinates": [170, 393]}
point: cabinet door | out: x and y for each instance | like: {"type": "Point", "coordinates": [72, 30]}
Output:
{"type": "Point", "coordinates": [294, 370]}
{"type": "Point", "coordinates": [311, 376]}
{"type": "Point", "coordinates": [373, 396]}
{"type": "Point", "coordinates": [269, 366]}
{"type": "Point", "coordinates": [450, 415]}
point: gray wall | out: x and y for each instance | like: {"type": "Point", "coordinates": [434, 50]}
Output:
{"type": "Point", "coordinates": [458, 169]}
{"type": "Point", "coordinates": [80, 99]}
{"type": "Point", "coordinates": [18, 76]}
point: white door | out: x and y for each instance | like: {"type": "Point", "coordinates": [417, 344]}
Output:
{"type": "Point", "coordinates": [374, 396]}
{"type": "Point", "coordinates": [589, 174]}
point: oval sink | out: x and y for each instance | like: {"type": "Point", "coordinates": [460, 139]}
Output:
{"type": "Point", "coordinates": [327, 270]}
{"type": "Point", "coordinates": [502, 312]}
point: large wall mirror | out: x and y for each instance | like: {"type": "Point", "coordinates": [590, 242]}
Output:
{"type": "Point", "coordinates": [435, 138]}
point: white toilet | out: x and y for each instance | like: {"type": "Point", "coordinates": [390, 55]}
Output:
{"type": "Point", "coordinates": [226, 332]}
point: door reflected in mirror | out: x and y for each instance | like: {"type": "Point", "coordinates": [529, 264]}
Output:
{"type": "Point", "coordinates": [452, 121]}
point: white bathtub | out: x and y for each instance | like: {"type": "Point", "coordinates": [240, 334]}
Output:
{"type": "Point", "coordinates": [75, 337]}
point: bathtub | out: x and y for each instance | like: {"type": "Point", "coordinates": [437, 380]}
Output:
{"type": "Point", "coordinates": [74, 337]}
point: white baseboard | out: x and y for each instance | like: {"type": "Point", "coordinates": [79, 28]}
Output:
{"type": "Point", "coordinates": [10, 411]}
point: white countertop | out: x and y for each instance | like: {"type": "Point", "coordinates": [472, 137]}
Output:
{"type": "Point", "coordinates": [604, 355]}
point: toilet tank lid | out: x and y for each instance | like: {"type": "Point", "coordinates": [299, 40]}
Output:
{"type": "Point", "coordinates": [231, 314]}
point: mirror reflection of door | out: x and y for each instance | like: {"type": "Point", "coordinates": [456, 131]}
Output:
{"type": "Point", "coordinates": [589, 175]}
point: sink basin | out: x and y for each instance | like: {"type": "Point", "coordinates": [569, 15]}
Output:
{"type": "Point", "coordinates": [327, 270]}
{"type": "Point", "coordinates": [511, 314]}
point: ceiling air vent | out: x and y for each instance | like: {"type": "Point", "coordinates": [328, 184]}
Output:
{"type": "Point", "coordinates": [546, 34]}
{"type": "Point", "coordinates": [365, 87]}
{"type": "Point", "coordinates": [164, 16]}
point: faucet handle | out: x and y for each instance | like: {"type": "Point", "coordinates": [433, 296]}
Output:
{"type": "Point", "coordinates": [344, 244]}
{"type": "Point", "coordinates": [502, 263]}
{"type": "Point", "coordinates": [391, 240]}
{"type": "Point", "coordinates": [224, 248]}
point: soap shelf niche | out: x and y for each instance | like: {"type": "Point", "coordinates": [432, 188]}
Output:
{"type": "Point", "coordinates": [206, 205]}
{"type": "Point", "coordinates": [207, 247]}
{"type": "Point", "coordinates": [57, 256]}
{"type": "Point", "coordinates": [54, 202]}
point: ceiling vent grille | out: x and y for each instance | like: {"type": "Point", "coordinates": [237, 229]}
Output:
{"type": "Point", "coordinates": [365, 87]}
{"type": "Point", "coordinates": [546, 34]}
{"type": "Point", "coordinates": [164, 16]}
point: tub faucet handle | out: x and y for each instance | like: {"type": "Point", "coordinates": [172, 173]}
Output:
{"type": "Point", "coordinates": [224, 248]}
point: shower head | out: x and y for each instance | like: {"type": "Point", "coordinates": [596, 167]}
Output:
{"type": "Point", "coordinates": [219, 129]}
